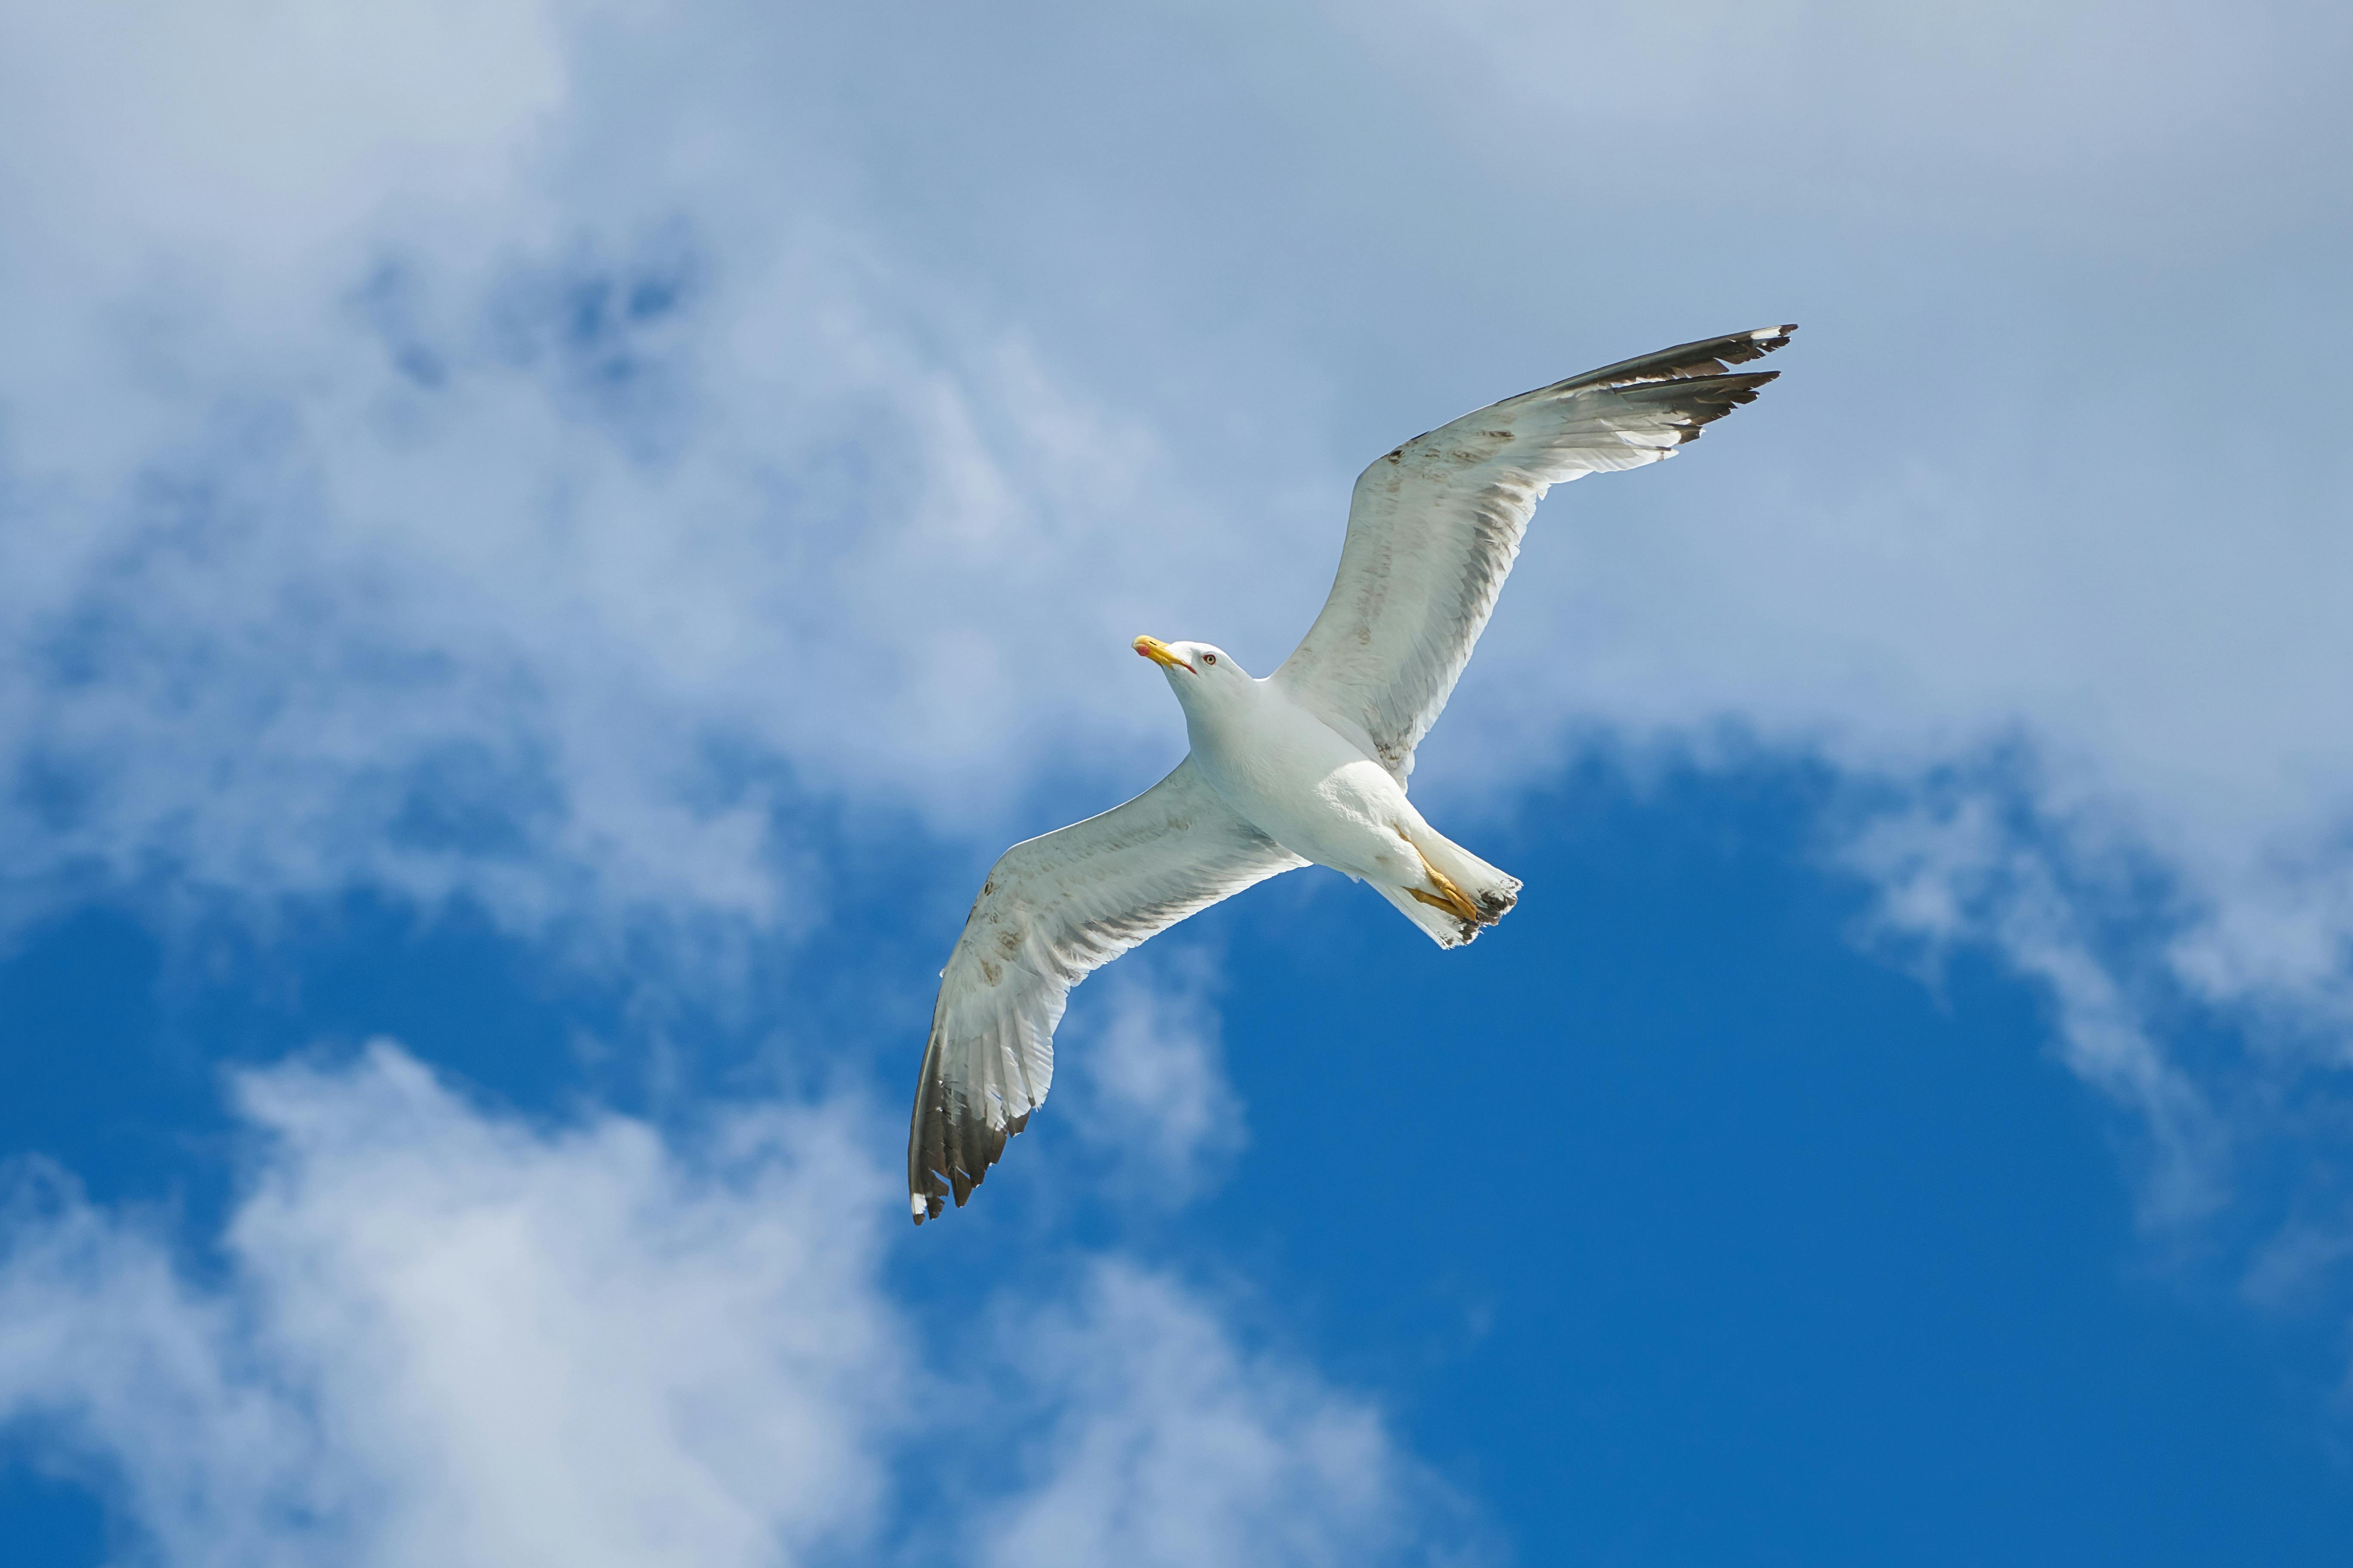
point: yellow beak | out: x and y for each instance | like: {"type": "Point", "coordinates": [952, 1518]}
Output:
{"type": "Point", "coordinates": [1159, 653]}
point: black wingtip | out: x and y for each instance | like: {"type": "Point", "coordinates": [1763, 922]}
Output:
{"type": "Point", "coordinates": [950, 1150]}
{"type": "Point", "coordinates": [1684, 362]}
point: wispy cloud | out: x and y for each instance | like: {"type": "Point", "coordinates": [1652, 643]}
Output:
{"type": "Point", "coordinates": [478, 480]}
{"type": "Point", "coordinates": [492, 528]}
{"type": "Point", "coordinates": [1956, 873]}
{"type": "Point", "coordinates": [440, 1334]}
{"type": "Point", "coordinates": [519, 451]}
{"type": "Point", "coordinates": [1183, 1449]}
{"type": "Point", "coordinates": [1148, 1083]}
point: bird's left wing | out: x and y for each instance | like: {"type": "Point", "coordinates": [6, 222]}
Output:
{"type": "Point", "coordinates": [1435, 527]}
{"type": "Point", "coordinates": [1051, 911]}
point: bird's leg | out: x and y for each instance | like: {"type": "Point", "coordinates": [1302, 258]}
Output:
{"type": "Point", "coordinates": [1450, 897]}
{"type": "Point", "coordinates": [1450, 906]}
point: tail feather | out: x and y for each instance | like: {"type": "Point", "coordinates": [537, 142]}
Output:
{"type": "Point", "coordinates": [1491, 892]}
{"type": "Point", "coordinates": [1442, 926]}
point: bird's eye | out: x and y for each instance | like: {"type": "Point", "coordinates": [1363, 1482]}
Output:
{"type": "Point", "coordinates": [1208, 659]}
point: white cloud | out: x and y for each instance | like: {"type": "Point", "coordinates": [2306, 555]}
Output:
{"type": "Point", "coordinates": [1183, 1449]}
{"type": "Point", "coordinates": [443, 535]}
{"type": "Point", "coordinates": [1952, 874]}
{"type": "Point", "coordinates": [519, 449]}
{"type": "Point", "coordinates": [440, 1335]}
{"type": "Point", "coordinates": [524, 449]}
{"type": "Point", "coordinates": [126, 1370]}
{"type": "Point", "coordinates": [2017, 544]}
{"type": "Point", "coordinates": [447, 1338]}
{"type": "Point", "coordinates": [1147, 1066]}
{"type": "Point", "coordinates": [1974, 118]}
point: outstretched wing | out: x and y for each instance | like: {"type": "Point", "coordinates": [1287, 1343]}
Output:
{"type": "Point", "coordinates": [1434, 526]}
{"type": "Point", "coordinates": [1053, 910]}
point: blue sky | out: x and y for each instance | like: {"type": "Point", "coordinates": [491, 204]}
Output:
{"type": "Point", "coordinates": [544, 547]}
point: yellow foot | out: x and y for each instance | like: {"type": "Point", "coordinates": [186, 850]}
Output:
{"type": "Point", "coordinates": [1450, 897]}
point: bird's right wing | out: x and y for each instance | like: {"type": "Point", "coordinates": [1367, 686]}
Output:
{"type": "Point", "coordinates": [1051, 911]}
{"type": "Point", "coordinates": [1435, 527]}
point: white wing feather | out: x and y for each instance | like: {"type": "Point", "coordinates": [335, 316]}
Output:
{"type": "Point", "coordinates": [1435, 527]}
{"type": "Point", "coordinates": [1052, 909]}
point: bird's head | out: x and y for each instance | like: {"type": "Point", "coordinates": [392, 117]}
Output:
{"type": "Point", "coordinates": [1197, 672]}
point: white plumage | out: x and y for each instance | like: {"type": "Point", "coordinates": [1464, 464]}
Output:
{"type": "Point", "coordinates": [1308, 766]}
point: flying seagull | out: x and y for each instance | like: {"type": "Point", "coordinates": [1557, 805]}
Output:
{"type": "Point", "coordinates": [1306, 765]}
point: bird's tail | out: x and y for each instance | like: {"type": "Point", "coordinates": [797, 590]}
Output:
{"type": "Point", "coordinates": [1462, 895]}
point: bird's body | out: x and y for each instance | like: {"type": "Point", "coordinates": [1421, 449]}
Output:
{"type": "Point", "coordinates": [1307, 765]}
{"type": "Point", "coordinates": [1282, 768]}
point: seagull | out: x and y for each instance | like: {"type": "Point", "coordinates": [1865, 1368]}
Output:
{"type": "Point", "coordinates": [1305, 766]}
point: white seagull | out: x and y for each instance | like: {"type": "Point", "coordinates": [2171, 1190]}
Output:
{"type": "Point", "coordinates": [1306, 765]}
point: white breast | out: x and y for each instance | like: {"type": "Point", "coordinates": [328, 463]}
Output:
{"type": "Point", "coordinates": [1301, 784]}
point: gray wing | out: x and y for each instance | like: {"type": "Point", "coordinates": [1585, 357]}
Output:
{"type": "Point", "coordinates": [1435, 527]}
{"type": "Point", "coordinates": [1053, 910]}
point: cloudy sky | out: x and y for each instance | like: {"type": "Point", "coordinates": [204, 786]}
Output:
{"type": "Point", "coordinates": [545, 544]}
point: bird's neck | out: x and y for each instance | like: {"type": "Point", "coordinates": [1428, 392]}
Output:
{"type": "Point", "coordinates": [1220, 725]}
